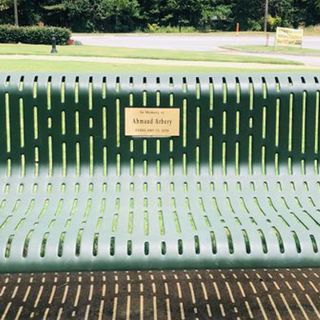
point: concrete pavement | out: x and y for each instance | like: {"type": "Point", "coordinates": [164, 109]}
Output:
{"type": "Point", "coordinates": [201, 42]}
{"type": "Point", "coordinates": [193, 42]}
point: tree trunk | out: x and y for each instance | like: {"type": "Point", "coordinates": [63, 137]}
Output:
{"type": "Point", "coordinates": [15, 6]}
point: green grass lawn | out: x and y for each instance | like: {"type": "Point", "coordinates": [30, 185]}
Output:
{"type": "Point", "coordinates": [8, 65]}
{"type": "Point", "coordinates": [272, 49]}
{"type": "Point", "coordinates": [96, 51]}
{"type": "Point", "coordinates": [87, 67]}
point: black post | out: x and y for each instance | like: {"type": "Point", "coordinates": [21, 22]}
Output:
{"type": "Point", "coordinates": [54, 45]}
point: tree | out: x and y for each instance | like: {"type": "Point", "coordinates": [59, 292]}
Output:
{"type": "Point", "coordinates": [54, 13]}
{"type": "Point", "coordinates": [185, 12]}
{"type": "Point", "coordinates": [128, 15]}
{"type": "Point", "coordinates": [102, 15]}
{"type": "Point", "coordinates": [152, 11]}
{"type": "Point", "coordinates": [29, 12]}
{"type": "Point", "coordinates": [283, 10]}
{"type": "Point", "coordinates": [217, 15]}
{"type": "Point", "coordinates": [118, 15]}
{"type": "Point", "coordinates": [16, 18]}
{"type": "Point", "coordinates": [306, 12]}
{"type": "Point", "coordinates": [5, 4]}
{"type": "Point", "coordinates": [249, 13]}
{"type": "Point", "coordinates": [80, 14]}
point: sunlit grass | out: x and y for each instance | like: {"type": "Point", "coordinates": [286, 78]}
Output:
{"type": "Point", "coordinates": [278, 49]}
{"type": "Point", "coordinates": [116, 52]}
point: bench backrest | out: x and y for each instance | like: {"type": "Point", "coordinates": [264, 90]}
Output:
{"type": "Point", "coordinates": [74, 125]}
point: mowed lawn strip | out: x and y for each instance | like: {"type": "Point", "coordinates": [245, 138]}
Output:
{"type": "Point", "coordinates": [12, 65]}
{"type": "Point", "coordinates": [116, 52]}
{"type": "Point", "coordinates": [279, 49]}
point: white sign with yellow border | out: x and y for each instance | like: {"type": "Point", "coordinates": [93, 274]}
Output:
{"type": "Point", "coordinates": [289, 37]}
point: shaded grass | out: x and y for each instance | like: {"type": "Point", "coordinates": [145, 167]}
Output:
{"type": "Point", "coordinates": [88, 67]}
{"type": "Point", "coordinates": [117, 52]}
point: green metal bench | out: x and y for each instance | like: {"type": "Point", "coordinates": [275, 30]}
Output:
{"type": "Point", "coordinates": [234, 184]}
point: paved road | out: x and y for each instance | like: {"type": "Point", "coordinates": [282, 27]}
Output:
{"type": "Point", "coordinates": [182, 42]}
{"type": "Point", "coordinates": [199, 42]}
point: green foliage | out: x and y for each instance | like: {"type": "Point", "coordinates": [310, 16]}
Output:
{"type": "Point", "coordinates": [155, 28]}
{"type": "Point", "coordinates": [152, 11]}
{"type": "Point", "coordinates": [282, 11]}
{"type": "Point", "coordinates": [81, 14]}
{"type": "Point", "coordinates": [249, 14]}
{"type": "Point", "coordinates": [103, 15]}
{"type": "Point", "coordinates": [274, 22]}
{"type": "Point", "coordinates": [185, 12]}
{"type": "Point", "coordinates": [33, 35]}
{"type": "Point", "coordinates": [130, 15]}
{"type": "Point", "coordinates": [152, 27]}
{"type": "Point", "coordinates": [217, 17]}
{"type": "Point", "coordinates": [5, 5]}
{"type": "Point", "coordinates": [118, 15]}
{"type": "Point", "coordinates": [306, 12]}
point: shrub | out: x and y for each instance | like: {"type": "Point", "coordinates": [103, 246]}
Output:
{"type": "Point", "coordinates": [155, 28]}
{"type": "Point", "coordinates": [254, 25]}
{"type": "Point", "coordinates": [152, 27]}
{"type": "Point", "coordinates": [274, 22]}
{"type": "Point", "coordinates": [33, 35]}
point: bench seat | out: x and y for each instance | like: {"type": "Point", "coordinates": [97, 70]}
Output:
{"type": "Point", "coordinates": [215, 200]}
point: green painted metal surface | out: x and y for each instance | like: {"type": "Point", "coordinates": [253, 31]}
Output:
{"type": "Point", "coordinates": [238, 188]}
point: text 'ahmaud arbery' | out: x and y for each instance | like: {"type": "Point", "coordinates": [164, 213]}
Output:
{"type": "Point", "coordinates": [156, 121]}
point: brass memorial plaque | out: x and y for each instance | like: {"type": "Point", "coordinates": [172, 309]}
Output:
{"type": "Point", "coordinates": [152, 122]}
